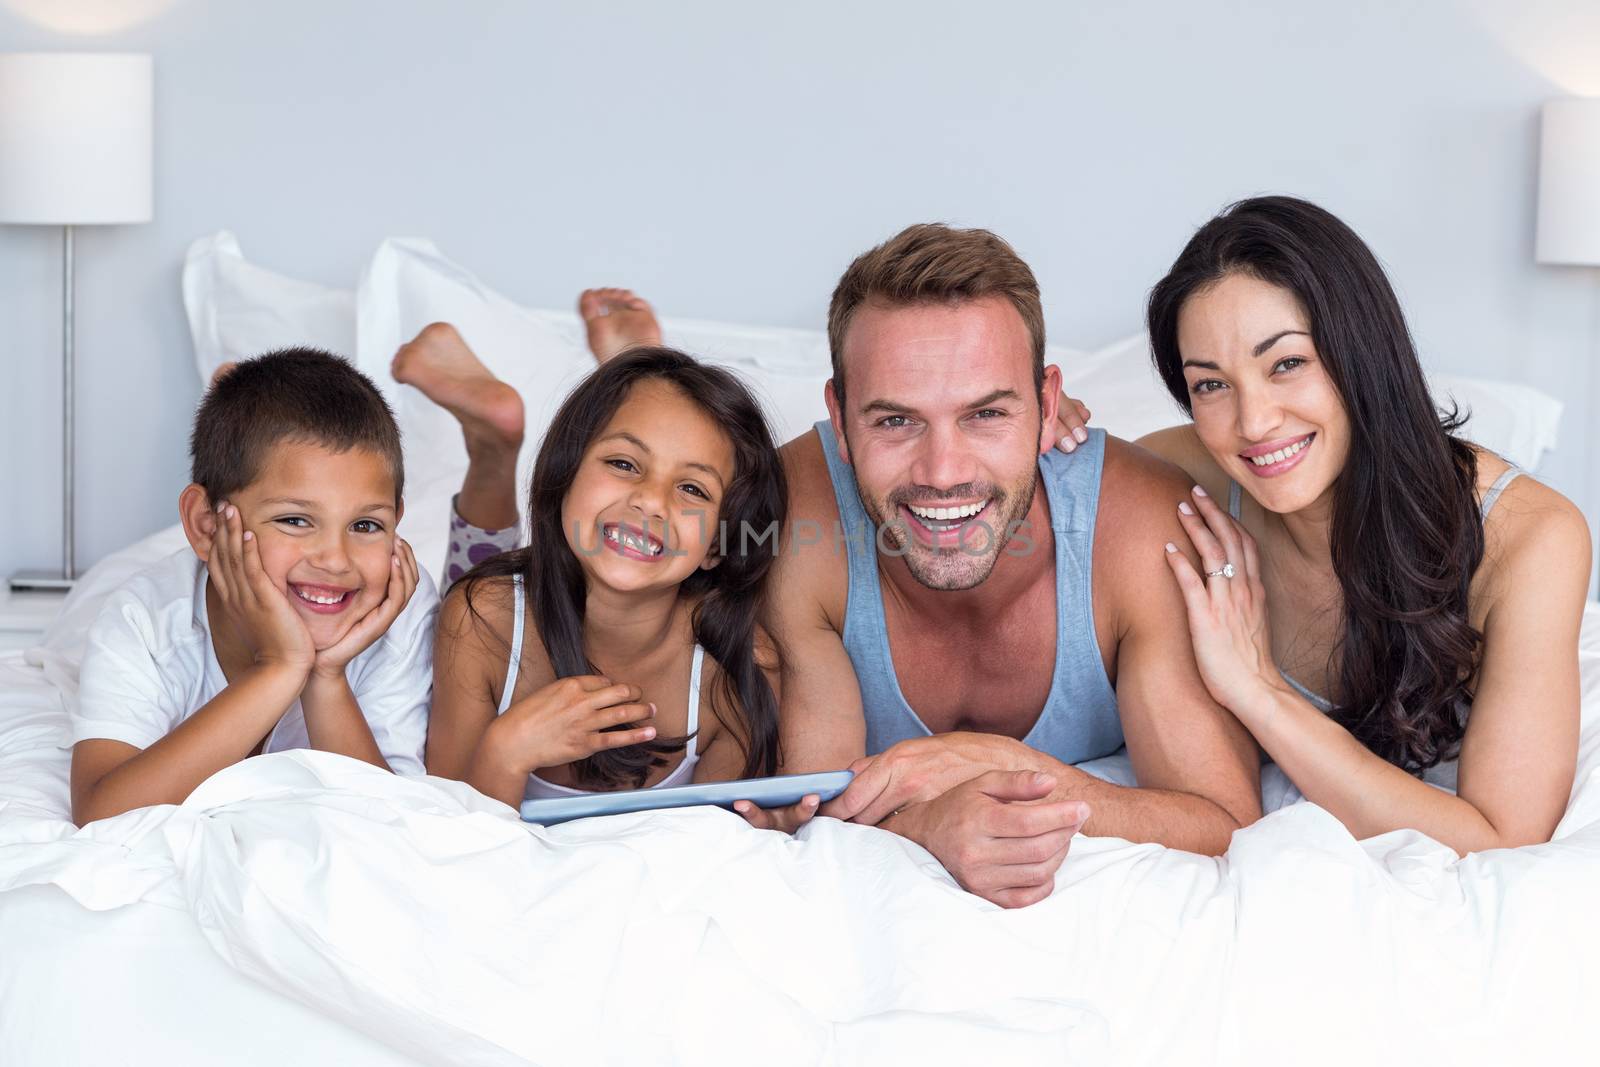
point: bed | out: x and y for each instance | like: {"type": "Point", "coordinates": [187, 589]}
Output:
{"type": "Point", "coordinates": [301, 907]}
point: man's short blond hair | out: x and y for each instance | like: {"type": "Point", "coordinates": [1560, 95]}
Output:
{"type": "Point", "coordinates": [931, 263]}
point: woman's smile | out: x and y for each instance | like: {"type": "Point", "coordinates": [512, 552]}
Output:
{"type": "Point", "coordinates": [1276, 457]}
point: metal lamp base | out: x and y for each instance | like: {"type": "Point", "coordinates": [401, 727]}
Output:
{"type": "Point", "coordinates": [60, 581]}
{"type": "Point", "coordinates": [41, 582]}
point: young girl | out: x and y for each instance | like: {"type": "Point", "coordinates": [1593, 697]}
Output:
{"type": "Point", "coordinates": [621, 650]}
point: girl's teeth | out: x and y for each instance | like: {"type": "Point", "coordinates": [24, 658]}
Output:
{"type": "Point", "coordinates": [303, 595]}
{"type": "Point", "coordinates": [621, 537]}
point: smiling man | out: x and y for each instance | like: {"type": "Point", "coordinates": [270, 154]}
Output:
{"type": "Point", "coordinates": [987, 611]}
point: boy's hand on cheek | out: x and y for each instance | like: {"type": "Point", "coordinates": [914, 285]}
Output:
{"type": "Point", "coordinates": [261, 611]}
{"type": "Point", "coordinates": [403, 577]}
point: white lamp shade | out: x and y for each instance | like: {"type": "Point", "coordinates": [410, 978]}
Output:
{"type": "Point", "coordinates": [1569, 182]}
{"type": "Point", "coordinates": [75, 138]}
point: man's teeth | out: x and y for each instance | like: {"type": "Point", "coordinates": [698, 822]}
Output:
{"type": "Point", "coordinates": [632, 540]}
{"type": "Point", "coordinates": [1281, 454]}
{"type": "Point", "coordinates": [315, 599]}
{"type": "Point", "coordinates": [960, 514]}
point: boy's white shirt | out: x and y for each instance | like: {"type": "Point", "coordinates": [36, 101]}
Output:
{"type": "Point", "coordinates": [150, 664]}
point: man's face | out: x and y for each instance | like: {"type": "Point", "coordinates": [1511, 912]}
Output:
{"type": "Point", "coordinates": [943, 427]}
{"type": "Point", "coordinates": [325, 522]}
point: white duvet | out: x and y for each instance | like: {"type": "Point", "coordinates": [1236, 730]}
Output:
{"type": "Point", "coordinates": [361, 918]}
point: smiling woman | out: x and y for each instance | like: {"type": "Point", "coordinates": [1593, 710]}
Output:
{"type": "Point", "coordinates": [1276, 325]}
{"type": "Point", "coordinates": [1366, 609]}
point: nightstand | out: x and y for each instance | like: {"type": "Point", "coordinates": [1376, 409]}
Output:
{"type": "Point", "coordinates": [24, 617]}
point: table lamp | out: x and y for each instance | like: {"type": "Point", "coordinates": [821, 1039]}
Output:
{"type": "Point", "coordinates": [75, 150]}
{"type": "Point", "coordinates": [1569, 209]}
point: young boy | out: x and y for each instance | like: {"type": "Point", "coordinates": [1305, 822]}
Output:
{"type": "Point", "coordinates": [299, 620]}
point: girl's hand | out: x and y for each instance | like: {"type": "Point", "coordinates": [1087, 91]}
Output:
{"type": "Point", "coordinates": [567, 720]}
{"type": "Point", "coordinates": [1227, 615]}
{"type": "Point", "coordinates": [403, 578]}
{"type": "Point", "coordinates": [1071, 419]}
{"type": "Point", "coordinates": [259, 609]}
{"type": "Point", "coordinates": [786, 820]}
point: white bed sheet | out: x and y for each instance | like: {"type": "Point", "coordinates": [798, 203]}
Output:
{"type": "Point", "coordinates": [306, 908]}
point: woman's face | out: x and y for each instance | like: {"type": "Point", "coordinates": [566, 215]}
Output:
{"type": "Point", "coordinates": [1263, 403]}
{"type": "Point", "coordinates": [642, 511]}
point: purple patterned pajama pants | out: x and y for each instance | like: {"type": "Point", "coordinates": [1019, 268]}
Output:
{"type": "Point", "coordinates": [471, 545]}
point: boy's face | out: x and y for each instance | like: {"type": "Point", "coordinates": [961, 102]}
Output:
{"type": "Point", "coordinates": [325, 522]}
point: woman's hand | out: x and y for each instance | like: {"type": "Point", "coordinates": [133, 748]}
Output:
{"type": "Point", "coordinates": [568, 720]}
{"type": "Point", "coordinates": [1071, 419]}
{"type": "Point", "coordinates": [1227, 607]}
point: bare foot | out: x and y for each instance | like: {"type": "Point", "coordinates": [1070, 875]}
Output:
{"type": "Point", "coordinates": [438, 362]}
{"type": "Point", "coordinates": [222, 371]}
{"type": "Point", "coordinates": [617, 320]}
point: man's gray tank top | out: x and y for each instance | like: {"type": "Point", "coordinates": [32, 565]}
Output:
{"type": "Point", "coordinates": [1079, 720]}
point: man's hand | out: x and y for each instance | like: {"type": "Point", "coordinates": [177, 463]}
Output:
{"type": "Point", "coordinates": [261, 611]}
{"type": "Point", "coordinates": [915, 771]}
{"type": "Point", "coordinates": [331, 661]}
{"type": "Point", "coordinates": [997, 835]}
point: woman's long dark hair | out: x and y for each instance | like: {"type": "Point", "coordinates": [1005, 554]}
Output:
{"type": "Point", "coordinates": [730, 594]}
{"type": "Point", "coordinates": [1407, 536]}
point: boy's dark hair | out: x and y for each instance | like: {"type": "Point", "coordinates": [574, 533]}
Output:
{"type": "Point", "coordinates": [301, 395]}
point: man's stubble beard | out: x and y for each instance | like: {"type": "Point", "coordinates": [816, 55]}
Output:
{"type": "Point", "coordinates": [960, 567]}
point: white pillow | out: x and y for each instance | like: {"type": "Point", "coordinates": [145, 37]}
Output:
{"type": "Point", "coordinates": [409, 284]}
{"type": "Point", "coordinates": [543, 354]}
{"type": "Point", "coordinates": [1128, 399]}
{"type": "Point", "coordinates": [1519, 422]}
{"type": "Point", "coordinates": [238, 310]}
{"type": "Point", "coordinates": [786, 369]}
{"type": "Point", "coordinates": [1122, 390]}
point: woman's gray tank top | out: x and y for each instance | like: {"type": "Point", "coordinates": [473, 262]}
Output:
{"type": "Point", "coordinates": [1079, 721]}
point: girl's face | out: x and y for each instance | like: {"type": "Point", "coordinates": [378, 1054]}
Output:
{"type": "Point", "coordinates": [642, 511]}
{"type": "Point", "coordinates": [1264, 405]}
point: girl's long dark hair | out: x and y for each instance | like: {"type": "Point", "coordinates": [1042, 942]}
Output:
{"type": "Point", "coordinates": [1407, 536]}
{"type": "Point", "coordinates": [729, 594]}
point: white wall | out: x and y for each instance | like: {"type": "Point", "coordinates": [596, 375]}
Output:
{"type": "Point", "coordinates": [729, 158]}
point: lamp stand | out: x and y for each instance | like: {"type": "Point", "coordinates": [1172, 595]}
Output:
{"type": "Point", "coordinates": [63, 580]}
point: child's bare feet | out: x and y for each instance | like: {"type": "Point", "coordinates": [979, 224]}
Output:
{"type": "Point", "coordinates": [439, 363]}
{"type": "Point", "coordinates": [222, 370]}
{"type": "Point", "coordinates": [617, 320]}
